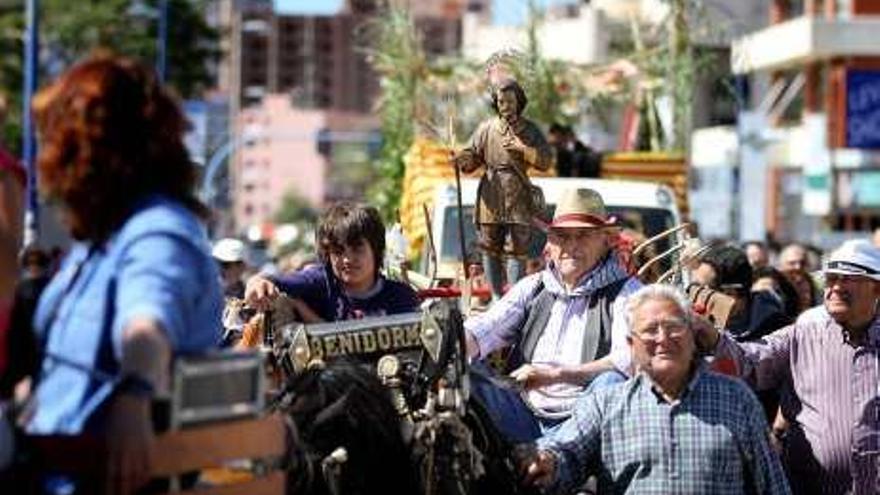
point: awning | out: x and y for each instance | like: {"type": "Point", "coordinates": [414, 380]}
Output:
{"type": "Point", "coordinates": [793, 43]}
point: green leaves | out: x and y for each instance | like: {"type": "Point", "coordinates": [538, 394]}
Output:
{"type": "Point", "coordinates": [397, 56]}
{"type": "Point", "coordinates": [70, 30]}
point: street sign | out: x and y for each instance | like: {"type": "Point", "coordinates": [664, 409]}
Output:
{"type": "Point", "coordinates": [863, 109]}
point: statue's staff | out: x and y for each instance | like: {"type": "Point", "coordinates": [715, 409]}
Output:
{"type": "Point", "coordinates": [450, 134]}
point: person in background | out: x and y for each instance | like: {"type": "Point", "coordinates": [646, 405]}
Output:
{"type": "Point", "coordinates": [829, 359]}
{"type": "Point", "coordinates": [757, 254]}
{"type": "Point", "coordinates": [768, 281]}
{"type": "Point", "coordinates": [814, 259]}
{"type": "Point", "coordinates": [773, 281]}
{"type": "Point", "coordinates": [876, 237]}
{"type": "Point", "coordinates": [586, 162]}
{"type": "Point", "coordinates": [230, 256]}
{"type": "Point", "coordinates": [12, 187]}
{"type": "Point", "coordinates": [557, 138]}
{"type": "Point", "coordinates": [793, 262]}
{"type": "Point", "coordinates": [675, 427]}
{"type": "Point", "coordinates": [348, 282]}
{"type": "Point", "coordinates": [573, 158]}
{"type": "Point", "coordinates": [24, 360]}
{"type": "Point", "coordinates": [56, 255]}
{"type": "Point", "coordinates": [13, 178]}
{"type": "Point", "coordinates": [757, 312]}
{"type": "Point", "coordinates": [138, 286]}
{"type": "Point", "coordinates": [35, 263]}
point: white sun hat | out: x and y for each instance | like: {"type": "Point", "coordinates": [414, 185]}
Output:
{"type": "Point", "coordinates": [229, 250]}
{"type": "Point", "coordinates": [855, 257]}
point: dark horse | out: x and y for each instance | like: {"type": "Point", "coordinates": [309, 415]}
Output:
{"type": "Point", "coordinates": [344, 405]}
{"type": "Point", "coordinates": [338, 406]}
{"type": "Point", "coordinates": [347, 436]}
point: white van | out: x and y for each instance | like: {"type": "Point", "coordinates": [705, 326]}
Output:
{"type": "Point", "coordinates": [642, 206]}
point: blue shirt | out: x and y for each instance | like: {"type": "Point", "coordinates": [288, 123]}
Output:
{"type": "Point", "coordinates": [713, 439]}
{"type": "Point", "coordinates": [323, 293]}
{"type": "Point", "coordinates": [156, 266]}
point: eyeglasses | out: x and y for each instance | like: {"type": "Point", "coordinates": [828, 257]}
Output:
{"type": "Point", "coordinates": [650, 334]}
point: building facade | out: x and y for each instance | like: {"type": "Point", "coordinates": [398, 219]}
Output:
{"type": "Point", "coordinates": [309, 153]}
{"type": "Point", "coordinates": [806, 148]}
{"type": "Point", "coordinates": [303, 84]}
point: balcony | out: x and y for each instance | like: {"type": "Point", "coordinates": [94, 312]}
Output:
{"type": "Point", "coordinates": [804, 40]}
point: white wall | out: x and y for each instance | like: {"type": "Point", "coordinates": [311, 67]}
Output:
{"type": "Point", "coordinates": [723, 20]}
{"type": "Point", "coordinates": [581, 40]}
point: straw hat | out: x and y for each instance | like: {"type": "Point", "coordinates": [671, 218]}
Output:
{"type": "Point", "coordinates": [581, 208]}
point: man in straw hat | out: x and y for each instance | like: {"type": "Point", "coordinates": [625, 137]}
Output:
{"type": "Point", "coordinates": [830, 359]}
{"type": "Point", "coordinates": [565, 323]}
{"type": "Point", "coordinates": [507, 145]}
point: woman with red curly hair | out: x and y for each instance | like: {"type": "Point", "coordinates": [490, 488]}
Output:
{"type": "Point", "coordinates": [138, 286]}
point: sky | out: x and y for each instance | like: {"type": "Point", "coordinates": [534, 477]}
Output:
{"type": "Point", "coordinates": [506, 12]}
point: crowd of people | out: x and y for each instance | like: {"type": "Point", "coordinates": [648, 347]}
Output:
{"type": "Point", "coordinates": [611, 380]}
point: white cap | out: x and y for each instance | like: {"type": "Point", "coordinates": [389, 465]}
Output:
{"type": "Point", "coordinates": [229, 250]}
{"type": "Point", "coordinates": [856, 257]}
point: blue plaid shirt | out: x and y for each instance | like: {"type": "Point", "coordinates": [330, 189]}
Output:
{"type": "Point", "coordinates": [714, 439]}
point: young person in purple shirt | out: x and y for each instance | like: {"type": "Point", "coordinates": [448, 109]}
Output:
{"type": "Point", "coordinates": [347, 283]}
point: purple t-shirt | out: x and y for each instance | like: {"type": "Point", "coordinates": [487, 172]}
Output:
{"type": "Point", "coordinates": [322, 291]}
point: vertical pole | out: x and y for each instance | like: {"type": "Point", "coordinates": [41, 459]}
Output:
{"type": "Point", "coordinates": [29, 142]}
{"type": "Point", "coordinates": [681, 74]}
{"type": "Point", "coordinates": [162, 40]}
{"type": "Point", "coordinates": [813, 71]}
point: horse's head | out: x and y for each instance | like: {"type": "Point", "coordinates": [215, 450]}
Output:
{"type": "Point", "coordinates": [345, 433]}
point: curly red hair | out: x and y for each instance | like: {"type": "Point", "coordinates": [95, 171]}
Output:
{"type": "Point", "coordinates": [111, 135]}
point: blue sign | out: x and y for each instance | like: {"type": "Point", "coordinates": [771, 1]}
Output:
{"type": "Point", "coordinates": [863, 109]}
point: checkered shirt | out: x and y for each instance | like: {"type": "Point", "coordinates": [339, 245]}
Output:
{"type": "Point", "coordinates": [714, 439]}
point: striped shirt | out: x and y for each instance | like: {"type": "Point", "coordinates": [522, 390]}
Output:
{"type": "Point", "coordinates": [833, 445]}
{"type": "Point", "coordinates": [714, 439]}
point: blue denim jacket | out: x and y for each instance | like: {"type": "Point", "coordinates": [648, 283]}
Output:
{"type": "Point", "coordinates": [156, 266]}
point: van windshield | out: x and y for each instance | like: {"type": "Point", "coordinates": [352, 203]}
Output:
{"type": "Point", "coordinates": [647, 221]}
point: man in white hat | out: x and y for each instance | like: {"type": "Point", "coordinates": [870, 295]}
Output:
{"type": "Point", "coordinates": [830, 359]}
{"type": "Point", "coordinates": [565, 323]}
{"type": "Point", "coordinates": [230, 255]}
